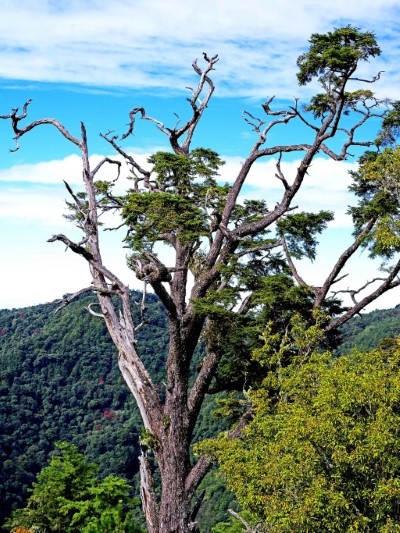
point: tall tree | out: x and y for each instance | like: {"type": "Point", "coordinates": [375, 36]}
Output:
{"type": "Point", "coordinates": [232, 260]}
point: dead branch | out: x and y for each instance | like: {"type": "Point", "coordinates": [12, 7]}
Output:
{"type": "Point", "coordinates": [145, 174]}
{"type": "Point", "coordinates": [389, 283]}
{"type": "Point", "coordinates": [111, 162]}
{"type": "Point", "coordinates": [94, 313]}
{"type": "Point", "coordinates": [19, 132]}
{"type": "Point", "coordinates": [292, 266]}
{"type": "Point", "coordinates": [374, 79]}
{"type": "Point", "coordinates": [261, 248]}
{"type": "Point", "coordinates": [279, 174]}
{"type": "Point", "coordinates": [76, 248]}
{"type": "Point", "coordinates": [340, 279]}
{"type": "Point", "coordinates": [69, 298]}
{"type": "Point", "coordinates": [142, 307]}
{"type": "Point", "coordinates": [197, 505]}
{"type": "Point", "coordinates": [247, 527]}
{"type": "Point", "coordinates": [198, 108]}
{"type": "Point", "coordinates": [116, 227]}
{"type": "Point", "coordinates": [147, 493]}
{"type": "Point", "coordinates": [354, 292]}
{"type": "Point", "coordinates": [341, 262]}
{"type": "Point", "coordinates": [245, 305]}
{"type": "Point", "coordinates": [257, 123]}
{"type": "Point", "coordinates": [254, 122]}
{"type": "Point", "coordinates": [302, 118]}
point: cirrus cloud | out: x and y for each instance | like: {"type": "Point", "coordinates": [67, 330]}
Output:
{"type": "Point", "coordinates": [146, 45]}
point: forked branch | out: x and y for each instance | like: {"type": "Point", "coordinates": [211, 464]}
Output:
{"type": "Point", "coordinates": [19, 132]}
{"type": "Point", "coordinates": [198, 107]}
{"type": "Point", "coordinates": [389, 283]}
{"type": "Point", "coordinates": [341, 262]}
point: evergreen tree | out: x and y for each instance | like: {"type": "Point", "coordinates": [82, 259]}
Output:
{"type": "Point", "coordinates": [67, 497]}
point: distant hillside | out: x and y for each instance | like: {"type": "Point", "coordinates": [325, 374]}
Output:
{"type": "Point", "coordinates": [59, 380]}
{"type": "Point", "coordinates": [366, 331]}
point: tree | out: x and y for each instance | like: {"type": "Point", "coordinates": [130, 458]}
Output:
{"type": "Point", "coordinates": [322, 454]}
{"type": "Point", "coordinates": [239, 254]}
{"type": "Point", "coordinates": [68, 497]}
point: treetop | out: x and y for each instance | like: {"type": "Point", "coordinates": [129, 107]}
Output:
{"type": "Point", "coordinates": [334, 56]}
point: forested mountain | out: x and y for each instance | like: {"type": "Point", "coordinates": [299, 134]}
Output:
{"type": "Point", "coordinates": [60, 381]}
{"type": "Point", "coordinates": [367, 330]}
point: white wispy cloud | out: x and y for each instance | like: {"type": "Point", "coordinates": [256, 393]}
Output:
{"type": "Point", "coordinates": [325, 186]}
{"type": "Point", "coordinates": [146, 44]}
{"type": "Point", "coordinates": [32, 213]}
{"type": "Point", "coordinates": [98, 46]}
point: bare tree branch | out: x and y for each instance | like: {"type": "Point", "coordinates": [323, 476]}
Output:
{"type": "Point", "coordinates": [69, 298]}
{"type": "Point", "coordinates": [292, 266]}
{"type": "Point", "coordinates": [198, 108]}
{"type": "Point", "coordinates": [247, 527]}
{"type": "Point", "coordinates": [354, 292]}
{"type": "Point", "coordinates": [144, 174]}
{"type": "Point", "coordinates": [389, 283]}
{"type": "Point", "coordinates": [111, 162]}
{"type": "Point", "coordinates": [92, 312]}
{"type": "Point", "coordinates": [373, 80]}
{"type": "Point", "coordinates": [341, 262]}
{"type": "Point", "coordinates": [73, 246]}
{"type": "Point", "coordinates": [19, 132]}
{"type": "Point", "coordinates": [260, 248]}
{"type": "Point", "coordinates": [279, 174]}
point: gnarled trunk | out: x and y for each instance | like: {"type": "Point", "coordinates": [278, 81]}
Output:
{"type": "Point", "coordinates": [174, 505]}
{"type": "Point", "coordinates": [173, 513]}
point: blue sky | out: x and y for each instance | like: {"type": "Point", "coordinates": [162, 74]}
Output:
{"type": "Point", "coordinates": [94, 61]}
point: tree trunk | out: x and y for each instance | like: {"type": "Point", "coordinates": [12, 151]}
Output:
{"type": "Point", "coordinates": [174, 463]}
{"type": "Point", "coordinates": [175, 507]}
{"type": "Point", "coordinates": [173, 514]}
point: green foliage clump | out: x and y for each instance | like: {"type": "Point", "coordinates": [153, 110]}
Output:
{"type": "Point", "coordinates": [300, 232]}
{"type": "Point", "coordinates": [68, 497]}
{"type": "Point", "coordinates": [333, 58]}
{"type": "Point", "coordinates": [377, 185]}
{"type": "Point", "coordinates": [335, 55]}
{"type": "Point", "coordinates": [390, 126]}
{"type": "Point", "coordinates": [322, 452]}
{"type": "Point", "coordinates": [182, 193]}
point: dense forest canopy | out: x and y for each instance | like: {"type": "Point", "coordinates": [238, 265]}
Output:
{"type": "Point", "coordinates": [59, 382]}
{"type": "Point", "coordinates": [322, 452]}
